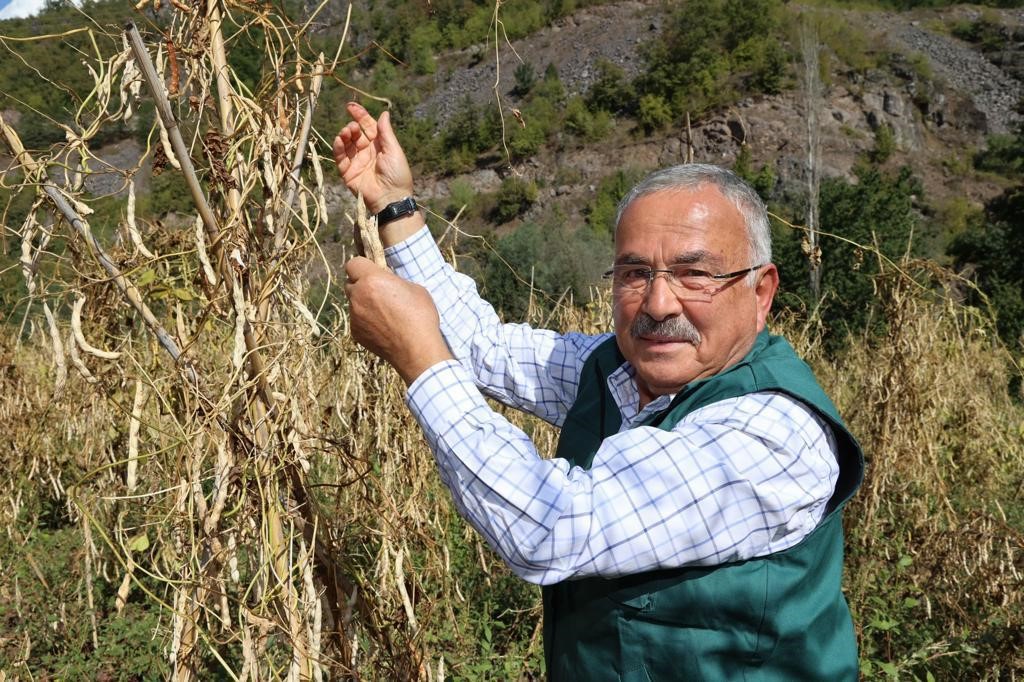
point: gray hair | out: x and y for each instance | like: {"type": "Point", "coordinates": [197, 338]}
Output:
{"type": "Point", "coordinates": [734, 188]}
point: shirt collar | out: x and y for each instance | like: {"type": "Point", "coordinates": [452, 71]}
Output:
{"type": "Point", "coordinates": [622, 386]}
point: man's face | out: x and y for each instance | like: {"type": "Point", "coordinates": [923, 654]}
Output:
{"type": "Point", "coordinates": [671, 341]}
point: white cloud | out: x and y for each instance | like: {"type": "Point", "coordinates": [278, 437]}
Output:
{"type": "Point", "coordinates": [20, 8]}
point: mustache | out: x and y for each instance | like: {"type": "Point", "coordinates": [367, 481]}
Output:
{"type": "Point", "coordinates": [673, 328]}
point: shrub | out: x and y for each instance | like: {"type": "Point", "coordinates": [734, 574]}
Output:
{"type": "Point", "coordinates": [611, 91]}
{"type": "Point", "coordinates": [554, 259]}
{"type": "Point", "coordinates": [995, 249]}
{"type": "Point", "coordinates": [461, 195]}
{"type": "Point", "coordinates": [168, 193]}
{"type": "Point", "coordinates": [708, 48]}
{"type": "Point", "coordinates": [584, 124]}
{"type": "Point", "coordinates": [984, 32]}
{"type": "Point", "coordinates": [1003, 154]}
{"type": "Point", "coordinates": [602, 209]}
{"type": "Point", "coordinates": [515, 196]}
{"type": "Point", "coordinates": [762, 180]}
{"type": "Point", "coordinates": [423, 42]}
{"type": "Point", "coordinates": [877, 212]}
{"type": "Point", "coordinates": [463, 137]}
{"type": "Point", "coordinates": [525, 78]}
{"type": "Point", "coordinates": [885, 144]}
{"type": "Point", "coordinates": [850, 43]}
{"type": "Point", "coordinates": [654, 113]}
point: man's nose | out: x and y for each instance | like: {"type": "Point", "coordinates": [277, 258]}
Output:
{"type": "Point", "coordinates": [660, 300]}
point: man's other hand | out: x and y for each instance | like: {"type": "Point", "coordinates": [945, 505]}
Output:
{"type": "Point", "coordinates": [370, 160]}
{"type": "Point", "coordinates": [394, 319]}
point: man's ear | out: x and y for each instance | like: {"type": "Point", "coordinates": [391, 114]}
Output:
{"type": "Point", "coordinates": [765, 288]}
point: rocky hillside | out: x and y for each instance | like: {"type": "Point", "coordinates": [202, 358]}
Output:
{"type": "Point", "coordinates": [940, 96]}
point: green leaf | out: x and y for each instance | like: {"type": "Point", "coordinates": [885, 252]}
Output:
{"type": "Point", "coordinates": [884, 624]}
{"type": "Point", "coordinates": [904, 561]}
{"type": "Point", "coordinates": [139, 543]}
{"type": "Point", "coordinates": [889, 669]}
{"type": "Point", "coordinates": [183, 295]}
{"type": "Point", "coordinates": [145, 277]}
{"type": "Point", "coordinates": [910, 603]}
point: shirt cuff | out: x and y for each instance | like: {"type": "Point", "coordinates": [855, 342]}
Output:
{"type": "Point", "coordinates": [441, 396]}
{"type": "Point", "coordinates": [416, 258]}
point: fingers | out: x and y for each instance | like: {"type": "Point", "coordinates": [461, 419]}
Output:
{"type": "Point", "coordinates": [386, 134]}
{"type": "Point", "coordinates": [354, 136]}
{"type": "Point", "coordinates": [359, 267]}
{"type": "Point", "coordinates": [362, 118]}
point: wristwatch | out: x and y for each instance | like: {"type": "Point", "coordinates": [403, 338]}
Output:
{"type": "Point", "coordinates": [396, 210]}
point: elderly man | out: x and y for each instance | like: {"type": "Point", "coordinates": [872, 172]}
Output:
{"type": "Point", "coordinates": [688, 527]}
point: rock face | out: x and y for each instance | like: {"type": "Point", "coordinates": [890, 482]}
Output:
{"type": "Point", "coordinates": [993, 88]}
{"type": "Point", "coordinates": [573, 45]}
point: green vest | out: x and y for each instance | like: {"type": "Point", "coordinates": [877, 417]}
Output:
{"type": "Point", "coordinates": [778, 617]}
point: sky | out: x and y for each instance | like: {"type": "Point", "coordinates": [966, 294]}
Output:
{"type": "Point", "coordinates": [10, 9]}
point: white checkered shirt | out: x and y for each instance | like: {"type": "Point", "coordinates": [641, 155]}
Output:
{"type": "Point", "coordinates": [737, 479]}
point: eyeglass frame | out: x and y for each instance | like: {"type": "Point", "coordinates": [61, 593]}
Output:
{"type": "Point", "coordinates": [674, 283]}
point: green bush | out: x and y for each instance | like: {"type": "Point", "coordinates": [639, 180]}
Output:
{"type": "Point", "coordinates": [602, 209]}
{"type": "Point", "coordinates": [542, 115]}
{"type": "Point", "coordinates": [995, 250]}
{"type": "Point", "coordinates": [850, 42]}
{"type": "Point", "coordinates": [168, 193]}
{"type": "Point", "coordinates": [984, 32]}
{"type": "Point", "coordinates": [710, 51]}
{"type": "Point", "coordinates": [423, 42]}
{"type": "Point", "coordinates": [585, 124]}
{"type": "Point", "coordinates": [1003, 154]}
{"type": "Point", "coordinates": [464, 136]}
{"type": "Point", "coordinates": [515, 196]}
{"type": "Point", "coordinates": [875, 213]}
{"type": "Point", "coordinates": [461, 196]}
{"type": "Point", "coordinates": [554, 259]}
{"type": "Point", "coordinates": [654, 113]}
{"type": "Point", "coordinates": [525, 141]}
{"type": "Point", "coordinates": [51, 612]}
{"type": "Point", "coordinates": [885, 144]}
{"type": "Point", "coordinates": [526, 78]}
{"type": "Point", "coordinates": [611, 91]}
{"type": "Point", "coordinates": [762, 179]}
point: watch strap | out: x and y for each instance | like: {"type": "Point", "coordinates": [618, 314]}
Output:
{"type": "Point", "coordinates": [396, 210]}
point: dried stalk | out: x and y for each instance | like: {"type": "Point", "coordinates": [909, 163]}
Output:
{"type": "Point", "coordinates": [134, 424]}
{"type": "Point", "coordinates": [129, 290]}
{"type": "Point", "coordinates": [366, 237]}
{"type": "Point", "coordinates": [58, 352]}
{"type": "Point", "coordinates": [261, 407]}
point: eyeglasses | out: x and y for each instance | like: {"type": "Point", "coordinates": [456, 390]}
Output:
{"type": "Point", "coordinates": [687, 283]}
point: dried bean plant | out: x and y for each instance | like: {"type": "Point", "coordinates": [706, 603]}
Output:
{"type": "Point", "coordinates": [228, 388]}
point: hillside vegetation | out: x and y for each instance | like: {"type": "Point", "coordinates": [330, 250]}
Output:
{"type": "Point", "coordinates": [205, 478]}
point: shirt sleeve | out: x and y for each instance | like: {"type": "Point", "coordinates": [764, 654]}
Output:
{"type": "Point", "coordinates": [737, 479]}
{"type": "Point", "coordinates": [534, 370]}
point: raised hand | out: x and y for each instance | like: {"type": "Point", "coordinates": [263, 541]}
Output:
{"type": "Point", "coordinates": [370, 160]}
